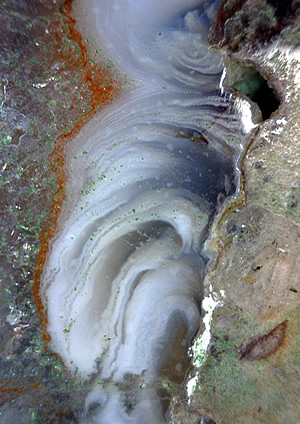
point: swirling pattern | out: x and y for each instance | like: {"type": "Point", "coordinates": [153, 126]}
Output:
{"type": "Point", "coordinates": [122, 283]}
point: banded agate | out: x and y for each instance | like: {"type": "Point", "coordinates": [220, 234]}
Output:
{"type": "Point", "coordinates": [122, 283]}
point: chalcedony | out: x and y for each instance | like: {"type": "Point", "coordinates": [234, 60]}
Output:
{"type": "Point", "coordinates": [122, 282]}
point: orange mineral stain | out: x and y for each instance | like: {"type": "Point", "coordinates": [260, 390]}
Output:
{"type": "Point", "coordinates": [6, 390]}
{"type": "Point", "coordinates": [102, 88]}
{"type": "Point", "coordinates": [9, 391]}
{"type": "Point", "coordinates": [264, 345]}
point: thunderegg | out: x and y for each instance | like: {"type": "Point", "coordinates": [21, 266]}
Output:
{"type": "Point", "coordinates": [122, 282]}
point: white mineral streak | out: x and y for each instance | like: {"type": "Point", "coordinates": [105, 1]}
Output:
{"type": "Point", "coordinates": [200, 344]}
{"type": "Point", "coordinates": [123, 276]}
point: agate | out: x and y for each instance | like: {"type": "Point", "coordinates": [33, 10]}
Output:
{"type": "Point", "coordinates": [122, 282]}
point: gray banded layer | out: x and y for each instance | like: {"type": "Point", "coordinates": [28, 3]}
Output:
{"type": "Point", "coordinates": [122, 283]}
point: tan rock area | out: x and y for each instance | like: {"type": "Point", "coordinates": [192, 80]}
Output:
{"type": "Point", "coordinates": [258, 268]}
{"type": "Point", "coordinates": [250, 374]}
